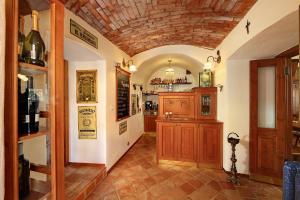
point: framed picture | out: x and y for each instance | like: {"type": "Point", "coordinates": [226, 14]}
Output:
{"type": "Point", "coordinates": [87, 122]}
{"type": "Point", "coordinates": [123, 94]}
{"type": "Point", "coordinates": [122, 127]}
{"type": "Point", "coordinates": [86, 83]}
{"type": "Point", "coordinates": [133, 104]}
{"type": "Point", "coordinates": [205, 78]}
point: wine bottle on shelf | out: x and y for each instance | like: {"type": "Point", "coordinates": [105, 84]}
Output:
{"type": "Point", "coordinates": [28, 109]}
{"type": "Point", "coordinates": [24, 173]}
{"type": "Point", "coordinates": [21, 39]}
{"type": "Point", "coordinates": [34, 51]}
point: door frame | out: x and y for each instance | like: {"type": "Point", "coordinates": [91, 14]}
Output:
{"type": "Point", "coordinates": [279, 146]}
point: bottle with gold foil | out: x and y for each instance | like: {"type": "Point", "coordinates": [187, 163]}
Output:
{"type": "Point", "coordinates": [34, 49]}
{"type": "Point", "coordinates": [21, 39]}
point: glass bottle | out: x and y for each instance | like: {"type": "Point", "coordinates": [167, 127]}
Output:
{"type": "Point", "coordinates": [34, 45]}
{"type": "Point", "coordinates": [21, 39]}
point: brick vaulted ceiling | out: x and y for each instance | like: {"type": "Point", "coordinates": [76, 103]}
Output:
{"type": "Point", "coordinates": [139, 25]}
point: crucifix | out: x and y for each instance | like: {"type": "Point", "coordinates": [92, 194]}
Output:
{"type": "Point", "coordinates": [248, 26]}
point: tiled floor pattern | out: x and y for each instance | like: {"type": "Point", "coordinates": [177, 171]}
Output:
{"type": "Point", "coordinates": [137, 177]}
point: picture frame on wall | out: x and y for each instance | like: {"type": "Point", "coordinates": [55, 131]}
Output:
{"type": "Point", "coordinates": [86, 86]}
{"type": "Point", "coordinates": [87, 122]}
{"type": "Point", "coordinates": [122, 94]}
{"type": "Point", "coordinates": [205, 78]}
{"type": "Point", "coordinates": [133, 104]}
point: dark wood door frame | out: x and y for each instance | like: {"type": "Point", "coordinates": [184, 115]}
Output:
{"type": "Point", "coordinates": [267, 145]}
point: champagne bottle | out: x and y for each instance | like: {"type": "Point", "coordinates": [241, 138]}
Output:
{"type": "Point", "coordinates": [21, 39]}
{"type": "Point", "coordinates": [34, 44]}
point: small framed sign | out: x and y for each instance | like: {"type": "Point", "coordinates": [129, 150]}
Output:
{"type": "Point", "coordinates": [87, 122]}
{"type": "Point", "coordinates": [86, 86]}
{"type": "Point", "coordinates": [122, 127]}
{"type": "Point", "coordinates": [83, 34]}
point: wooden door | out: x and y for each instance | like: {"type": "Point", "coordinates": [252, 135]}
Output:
{"type": "Point", "coordinates": [185, 141]}
{"type": "Point", "coordinates": [165, 141]}
{"type": "Point", "coordinates": [210, 145]}
{"type": "Point", "coordinates": [268, 102]}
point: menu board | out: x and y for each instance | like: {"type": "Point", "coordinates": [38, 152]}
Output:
{"type": "Point", "coordinates": [123, 92]}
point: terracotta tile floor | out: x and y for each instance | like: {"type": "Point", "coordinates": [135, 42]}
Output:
{"type": "Point", "coordinates": [137, 177]}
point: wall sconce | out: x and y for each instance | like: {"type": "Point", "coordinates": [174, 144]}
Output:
{"type": "Point", "coordinates": [129, 64]}
{"type": "Point", "coordinates": [210, 61]}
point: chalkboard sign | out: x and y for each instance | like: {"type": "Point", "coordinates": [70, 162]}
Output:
{"type": "Point", "coordinates": [123, 92]}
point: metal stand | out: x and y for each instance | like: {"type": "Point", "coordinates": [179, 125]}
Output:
{"type": "Point", "coordinates": [233, 178]}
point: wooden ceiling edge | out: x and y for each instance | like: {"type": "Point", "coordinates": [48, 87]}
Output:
{"type": "Point", "coordinates": [294, 51]}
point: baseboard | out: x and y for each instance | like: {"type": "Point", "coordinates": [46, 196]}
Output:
{"type": "Point", "coordinates": [125, 153]}
{"type": "Point", "coordinates": [86, 164]}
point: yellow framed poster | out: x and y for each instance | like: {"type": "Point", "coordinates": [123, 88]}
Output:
{"type": "Point", "coordinates": [86, 83]}
{"type": "Point", "coordinates": [87, 122]}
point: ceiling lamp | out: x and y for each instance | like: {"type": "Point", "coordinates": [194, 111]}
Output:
{"type": "Point", "coordinates": [209, 65]}
{"type": "Point", "coordinates": [129, 64]}
{"type": "Point", "coordinates": [170, 71]}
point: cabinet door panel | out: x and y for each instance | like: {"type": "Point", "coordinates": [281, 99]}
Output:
{"type": "Point", "coordinates": [187, 140]}
{"type": "Point", "coordinates": [180, 106]}
{"type": "Point", "coordinates": [210, 137]}
{"type": "Point", "coordinates": [166, 140]}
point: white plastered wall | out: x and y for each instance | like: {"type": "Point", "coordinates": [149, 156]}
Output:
{"type": "Point", "coordinates": [2, 60]}
{"type": "Point", "coordinates": [116, 145]}
{"type": "Point", "coordinates": [233, 102]}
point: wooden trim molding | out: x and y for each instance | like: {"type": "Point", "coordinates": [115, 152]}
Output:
{"type": "Point", "coordinates": [10, 101]}
{"type": "Point", "coordinates": [294, 51]}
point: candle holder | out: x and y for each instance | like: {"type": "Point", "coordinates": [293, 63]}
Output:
{"type": "Point", "coordinates": [233, 177]}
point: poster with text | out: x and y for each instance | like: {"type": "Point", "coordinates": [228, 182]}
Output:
{"type": "Point", "coordinates": [87, 122]}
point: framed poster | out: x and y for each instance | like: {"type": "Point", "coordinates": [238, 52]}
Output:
{"type": "Point", "coordinates": [123, 94]}
{"type": "Point", "coordinates": [122, 127]}
{"type": "Point", "coordinates": [87, 122]}
{"type": "Point", "coordinates": [86, 83]}
{"type": "Point", "coordinates": [133, 104]}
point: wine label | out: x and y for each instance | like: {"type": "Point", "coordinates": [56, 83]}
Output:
{"type": "Point", "coordinates": [37, 118]}
{"type": "Point", "coordinates": [27, 118]}
{"type": "Point", "coordinates": [33, 52]}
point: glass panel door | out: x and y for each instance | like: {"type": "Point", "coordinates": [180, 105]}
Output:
{"type": "Point", "coordinates": [266, 97]}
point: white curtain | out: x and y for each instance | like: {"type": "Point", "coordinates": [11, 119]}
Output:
{"type": "Point", "coordinates": [2, 60]}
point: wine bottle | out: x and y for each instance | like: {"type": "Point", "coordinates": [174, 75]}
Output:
{"type": "Point", "coordinates": [28, 109]}
{"type": "Point", "coordinates": [24, 173]}
{"type": "Point", "coordinates": [34, 45]}
{"type": "Point", "coordinates": [21, 39]}
{"type": "Point", "coordinates": [33, 103]}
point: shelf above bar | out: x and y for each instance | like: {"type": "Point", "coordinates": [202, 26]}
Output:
{"type": "Point", "coordinates": [188, 83]}
{"type": "Point", "coordinates": [33, 135]}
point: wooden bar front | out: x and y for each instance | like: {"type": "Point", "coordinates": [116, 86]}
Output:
{"type": "Point", "coordinates": [186, 134]}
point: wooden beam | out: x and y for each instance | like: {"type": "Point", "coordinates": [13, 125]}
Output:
{"type": "Point", "coordinates": [294, 51]}
{"type": "Point", "coordinates": [57, 100]}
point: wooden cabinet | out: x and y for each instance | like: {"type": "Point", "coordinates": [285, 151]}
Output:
{"type": "Point", "coordinates": [149, 123]}
{"type": "Point", "coordinates": [206, 103]}
{"type": "Point", "coordinates": [182, 105]}
{"type": "Point", "coordinates": [192, 141]}
{"type": "Point", "coordinates": [210, 140]}
{"type": "Point", "coordinates": [177, 141]}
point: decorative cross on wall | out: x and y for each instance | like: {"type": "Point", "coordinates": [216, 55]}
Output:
{"type": "Point", "coordinates": [248, 26]}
